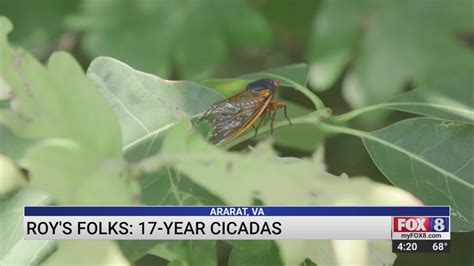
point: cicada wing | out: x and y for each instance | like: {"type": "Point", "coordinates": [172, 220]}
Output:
{"type": "Point", "coordinates": [233, 116]}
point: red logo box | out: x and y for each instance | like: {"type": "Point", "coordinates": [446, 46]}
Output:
{"type": "Point", "coordinates": [411, 224]}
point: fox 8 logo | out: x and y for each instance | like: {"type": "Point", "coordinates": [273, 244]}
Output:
{"type": "Point", "coordinates": [421, 224]}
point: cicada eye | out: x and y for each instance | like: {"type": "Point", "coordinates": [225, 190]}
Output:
{"type": "Point", "coordinates": [263, 84]}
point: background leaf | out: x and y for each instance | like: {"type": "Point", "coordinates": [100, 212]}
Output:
{"type": "Point", "coordinates": [43, 107]}
{"type": "Point", "coordinates": [432, 159]}
{"type": "Point", "coordinates": [301, 137]}
{"type": "Point", "coordinates": [147, 105]}
{"type": "Point", "coordinates": [335, 33]}
{"type": "Point", "coordinates": [13, 248]}
{"type": "Point", "coordinates": [447, 104]}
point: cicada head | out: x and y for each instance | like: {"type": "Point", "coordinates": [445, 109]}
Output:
{"type": "Point", "coordinates": [263, 84]}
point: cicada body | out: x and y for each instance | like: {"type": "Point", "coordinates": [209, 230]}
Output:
{"type": "Point", "coordinates": [233, 116]}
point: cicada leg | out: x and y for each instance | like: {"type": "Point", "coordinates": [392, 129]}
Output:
{"type": "Point", "coordinates": [271, 123]}
{"type": "Point", "coordinates": [273, 106]}
{"type": "Point", "coordinates": [261, 121]}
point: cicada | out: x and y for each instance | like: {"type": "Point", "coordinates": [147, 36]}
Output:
{"type": "Point", "coordinates": [233, 116]}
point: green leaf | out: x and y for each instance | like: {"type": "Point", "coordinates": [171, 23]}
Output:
{"type": "Point", "coordinates": [187, 252]}
{"type": "Point", "coordinates": [134, 250]}
{"type": "Point", "coordinates": [345, 252]}
{"type": "Point", "coordinates": [87, 252]}
{"type": "Point", "coordinates": [77, 137]}
{"type": "Point", "coordinates": [14, 250]}
{"type": "Point", "coordinates": [239, 178]}
{"type": "Point", "coordinates": [170, 187]}
{"type": "Point", "coordinates": [456, 105]}
{"type": "Point", "coordinates": [94, 188]}
{"type": "Point", "coordinates": [301, 137]}
{"type": "Point", "coordinates": [168, 250]}
{"type": "Point", "coordinates": [226, 87]}
{"type": "Point", "coordinates": [146, 105]}
{"type": "Point", "coordinates": [335, 32]}
{"type": "Point", "coordinates": [433, 160]}
{"type": "Point", "coordinates": [54, 102]}
{"type": "Point", "coordinates": [77, 175]}
{"type": "Point", "coordinates": [11, 145]}
{"type": "Point", "coordinates": [308, 262]}
{"type": "Point", "coordinates": [105, 136]}
{"type": "Point", "coordinates": [327, 69]}
{"type": "Point", "coordinates": [448, 103]}
{"type": "Point", "coordinates": [167, 187]}
{"type": "Point", "coordinates": [305, 137]}
{"type": "Point", "coordinates": [261, 252]}
{"type": "Point", "coordinates": [5, 27]}
{"type": "Point", "coordinates": [153, 36]}
{"type": "Point", "coordinates": [396, 42]}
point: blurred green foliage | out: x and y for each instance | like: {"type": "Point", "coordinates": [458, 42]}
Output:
{"type": "Point", "coordinates": [391, 43]}
{"type": "Point", "coordinates": [39, 25]}
{"type": "Point", "coordinates": [189, 37]}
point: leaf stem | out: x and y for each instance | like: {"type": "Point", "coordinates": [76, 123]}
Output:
{"type": "Point", "coordinates": [354, 113]}
{"type": "Point", "coordinates": [317, 102]}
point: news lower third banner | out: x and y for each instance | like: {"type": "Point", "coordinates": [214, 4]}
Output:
{"type": "Point", "coordinates": [232, 223]}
